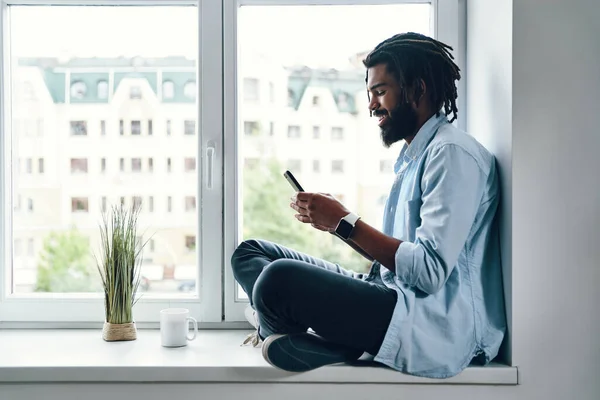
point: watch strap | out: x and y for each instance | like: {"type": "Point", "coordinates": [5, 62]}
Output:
{"type": "Point", "coordinates": [351, 218]}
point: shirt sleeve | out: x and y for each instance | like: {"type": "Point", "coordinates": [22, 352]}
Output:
{"type": "Point", "coordinates": [452, 188]}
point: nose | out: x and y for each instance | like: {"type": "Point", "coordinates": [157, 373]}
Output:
{"type": "Point", "coordinates": [373, 104]}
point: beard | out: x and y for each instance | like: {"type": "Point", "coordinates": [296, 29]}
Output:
{"type": "Point", "coordinates": [401, 123]}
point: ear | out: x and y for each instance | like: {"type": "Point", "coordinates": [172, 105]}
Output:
{"type": "Point", "coordinates": [419, 91]}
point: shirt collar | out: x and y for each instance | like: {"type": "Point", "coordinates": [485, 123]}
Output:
{"type": "Point", "coordinates": [421, 140]}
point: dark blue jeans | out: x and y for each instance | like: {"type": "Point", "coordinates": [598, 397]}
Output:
{"type": "Point", "coordinates": [292, 292]}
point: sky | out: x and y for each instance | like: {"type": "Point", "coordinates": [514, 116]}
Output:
{"type": "Point", "coordinates": [316, 36]}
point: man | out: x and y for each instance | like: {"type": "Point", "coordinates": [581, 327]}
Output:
{"type": "Point", "coordinates": [433, 301]}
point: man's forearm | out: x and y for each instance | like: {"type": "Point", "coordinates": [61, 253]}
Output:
{"type": "Point", "coordinates": [378, 245]}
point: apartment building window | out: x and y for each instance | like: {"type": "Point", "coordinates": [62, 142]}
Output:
{"type": "Point", "coordinates": [40, 127]}
{"type": "Point", "coordinates": [29, 127]}
{"type": "Point", "coordinates": [103, 165]}
{"type": "Point", "coordinates": [168, 90]}
{"type": "Point", "coordinates": [79, 204]}
{"type": "Point", "coordinates": [337, 133]}
{"type": "Point", "coordinates": [168, 127]}
{"type": "Point", "coordinates": [78, 128]}
{"type": "Point", "coordinates": [190, 164]}
{"type": "Point", "coordinates": [102, 88]}
{"type": "Point", "coordinates": [150, 165]}
{"type": "Point", "coordinates": [30, 247]}
{"type": "Point", "coordinates": [271, 92]}
{"type": "Point", "coordinates": [316, 101]}
{"type": "Point", "coordinates": [30, 204]}
{"type": "Point", "coordinates": [79, 165]}
{"type": "Point", "coordinates": [337, 166]}
{"type": "Point", "coordinates": [316, 166]}
{"type": "Point", "coordinates": [136, 127]}
{"type": "Point", "coordinates": [386, 166]}
{"type": "Point", "coordinates": [103, 128]}
{"type": "Point", "coordinates": [121, 127]}
{"type": "Point", "coordinates": [169, 204]}
{"type": "Point", "coordinates": [190, 203]}
{"type": "Point", "coordinates": [122, 164]}
{"type": "Point", "coordinates": [169, 164]}
{"type": "Point", "coordinates": [294, 132]}
{"type": "Point", "coordinates": [151, 204]}
{"type": "Point", "coordinates": [189, 90]}
{"type": "Point", "coordinates": [189, 127]}
{"type": "Point", "coordinates": [294, 165]}
{"type": "Point", "coordinates": [251, 128]}
{"type": "Point", "coordinates": [103, 204]}
{"type": "Point", "coordinates": [135, 92]}
{"type": "Point", "coordinates": [137, 201]}
{"type": "Point", "coordinates": [136, 164]}
{"type": "Point", "coordinates": [29, 166]}
{"type": "Point", "coordinates": [190, 242]}
{"type": "Point", "coordinates": [271, 128]}
{"type": "Point", "coordinates": [291, 98]}
{"type": "Point", "coordinates": [316, 132]}
{"type": "Point", "coordinates": [251, 90]}
{"type": "Point", "coordinates": [41, 165]}
{"type": "Point", "coordinates": [17, 249]}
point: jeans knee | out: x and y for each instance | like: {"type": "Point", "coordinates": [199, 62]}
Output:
{"type": "Point", "coordinates": [241, 254]}
{"type": "Point", "coordinates": [270, 287]}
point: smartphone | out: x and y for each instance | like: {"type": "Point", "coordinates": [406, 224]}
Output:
{"type": "Point", "coordinates": [292, 180]}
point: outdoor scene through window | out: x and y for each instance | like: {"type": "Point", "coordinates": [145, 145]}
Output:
{"type": "Point", "coordinates": [94, 101]}
{"type": "Point", "coordinates": [303, 106]}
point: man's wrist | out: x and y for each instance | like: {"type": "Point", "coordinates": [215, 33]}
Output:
{"type": "Point", "coordinates": [346, 225]}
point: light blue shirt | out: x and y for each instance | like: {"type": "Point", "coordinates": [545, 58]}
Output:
{"type": "Point", "coordinates": [448, 276]}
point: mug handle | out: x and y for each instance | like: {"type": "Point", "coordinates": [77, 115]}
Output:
{"type": "Point", "coordinates": [188, 319]}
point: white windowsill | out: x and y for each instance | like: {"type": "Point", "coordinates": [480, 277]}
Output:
{"type": "Point", "coordinates": [71, 355]}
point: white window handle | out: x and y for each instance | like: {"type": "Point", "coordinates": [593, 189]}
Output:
{"type": "Point", "coordinates": [210, 156]}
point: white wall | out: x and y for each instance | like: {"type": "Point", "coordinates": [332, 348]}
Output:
{"type": "Point", "coordinates": [556, 197]}
{"type": "Point", "coordinates": [533, 98]}
{"type": "Point", "coordinates": [551, 122]}
{"type": "Point", "coordinates": [489, 112]}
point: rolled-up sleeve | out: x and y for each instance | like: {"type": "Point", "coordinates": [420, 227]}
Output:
{"type": "Point", "coordinates": [452, 187]}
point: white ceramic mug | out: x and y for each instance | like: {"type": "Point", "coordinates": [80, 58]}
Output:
{"type": "Point", "coordinates": [175, 327]}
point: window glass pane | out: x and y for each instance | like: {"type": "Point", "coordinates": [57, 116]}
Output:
{"type": "Point", "coordinates": [317, 94]}
{"type": "Point", "coordinates": [88, 81]}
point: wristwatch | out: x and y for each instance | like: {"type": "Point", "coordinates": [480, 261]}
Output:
{"type": "Point", "coordinates": [346, 226]}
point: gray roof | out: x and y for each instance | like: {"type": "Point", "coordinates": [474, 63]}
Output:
{"type": "Point", "coordinates": [179, 70]}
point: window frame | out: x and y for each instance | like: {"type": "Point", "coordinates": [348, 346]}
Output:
{"type": "Point", "coordinates": [87, 310]}
{"type": "Point", "coordinates": [448, 20]}
{"type": "Point", "coordinates": [217, 164]}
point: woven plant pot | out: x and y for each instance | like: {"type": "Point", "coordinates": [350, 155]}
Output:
{"type": "Point", "coordinates": [119, 332]}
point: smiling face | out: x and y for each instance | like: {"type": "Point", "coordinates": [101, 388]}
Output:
{"type": "Point", "coordinates": [397, 117]}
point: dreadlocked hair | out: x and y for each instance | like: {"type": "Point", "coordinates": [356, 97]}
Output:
{"type": "Point", "coordinates": [412, 57]}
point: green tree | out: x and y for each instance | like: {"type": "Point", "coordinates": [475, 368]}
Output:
{"type": "Point", "coordinates": [65, 264]}
{"type": "Point", "coordinates": [267, 215]}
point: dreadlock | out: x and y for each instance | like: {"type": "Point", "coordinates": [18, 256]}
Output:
{"type": "Point", "coordinates": [411, 57]}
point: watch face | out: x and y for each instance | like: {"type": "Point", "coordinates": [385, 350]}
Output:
{"type": "Point", "coordinates": [344, 229]}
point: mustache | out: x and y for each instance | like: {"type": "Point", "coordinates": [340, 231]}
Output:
{"type": "Point", "coordinates": [380, 113]}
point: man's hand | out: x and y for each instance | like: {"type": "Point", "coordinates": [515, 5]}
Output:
{"type": "Point", "coordinates": [321, 210]}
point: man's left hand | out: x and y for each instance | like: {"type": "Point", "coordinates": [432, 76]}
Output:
{"type": "Point", "coordinates": [321, 210]}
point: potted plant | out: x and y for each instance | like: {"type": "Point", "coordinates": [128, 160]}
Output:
{"type": "Point", "coordinates": [119, 268]}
